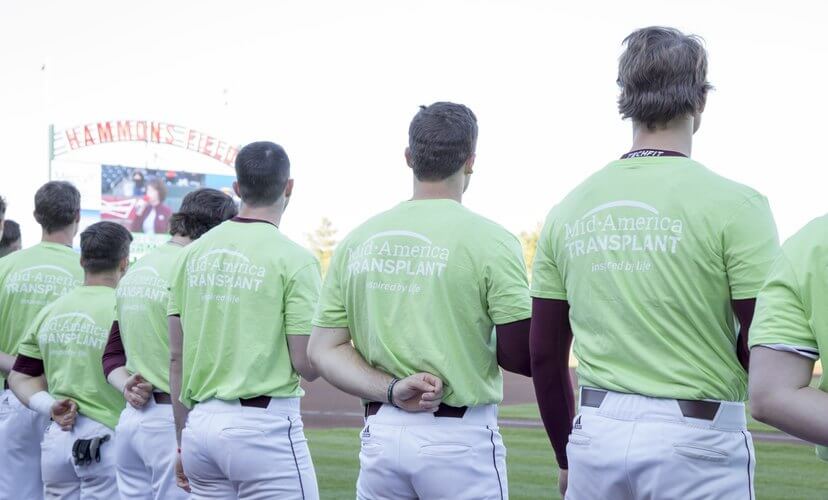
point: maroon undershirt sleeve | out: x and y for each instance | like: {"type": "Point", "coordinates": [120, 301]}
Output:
{"type": "Point", "coordinates": [32, 367]}
{"type": "Point", "coordinates": [744, 312]}
{"type": "Point", "coordinates": [550, 338]}
{"type": "Point", "coordinates": [513, 347]}
{"type": "Point", "coordinates": [114, 355]}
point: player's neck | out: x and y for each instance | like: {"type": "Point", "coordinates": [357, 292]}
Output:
{"type": "Point", "coordinates": [107, 278]}
{"type": "Point", "coordinates": [270, 213]}
{"type": "Point", "coordinates": [676, 135]}
{"type": "Point", "coordinates": [449, 189]}
{"type": "Point", "coordinates": [61, 237]}
{"type": "Point", "coordinates": [181, 241]}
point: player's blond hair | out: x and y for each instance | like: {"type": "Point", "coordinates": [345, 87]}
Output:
{"type": "Point", "coordinates": [662, 75]}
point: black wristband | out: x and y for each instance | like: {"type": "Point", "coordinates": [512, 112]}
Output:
{"type": "Point", "coordinates": [390, 395]}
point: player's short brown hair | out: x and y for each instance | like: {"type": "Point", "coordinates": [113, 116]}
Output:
{"type": "Point", "coordinates": [441, 138]}
{"type": "Point", "coordinates": [662, 75]}
{"type": "Point", "coordinates": [202, 210]}
{"type": "Point", "coordinates": [103, 246]}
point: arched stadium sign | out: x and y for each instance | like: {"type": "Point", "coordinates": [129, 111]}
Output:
{"type": "Point", "coordinates": [146, 131]}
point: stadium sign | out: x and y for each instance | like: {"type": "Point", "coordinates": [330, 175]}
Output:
{"type": "Point", "coordinates": [146, 131]}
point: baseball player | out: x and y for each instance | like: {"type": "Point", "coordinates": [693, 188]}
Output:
{"type": "Point", "coordinates": [645, 264]}
{"type": "Point", "coordinates": [136, 358]}
{"type": "Point", "coordinates": [789, 332]}
{"type": "Point", "coordinates": [62, 351]}
{"type": "Point", "coordinates": [418, 289]}
{"type": "Point", "coordinates": [241, 303]}
{"type": "Point", "coordinates": [29, 280]}
{"type": "Point", "coordinates": [11, 240]}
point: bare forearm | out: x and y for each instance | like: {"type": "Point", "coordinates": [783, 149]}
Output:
{"type": "Point", "coordinates": [24, 386]}
{"type": "Point", "coordinates": [180, 411]}
{"type": "Point", "coordinates": [343, 367]}
{"type": "Point", "coordinates": [6, 363]}
{"type": "Point", "coordinates": [800, 413]}
{"type": "Point", "coordinates": [780, 394]}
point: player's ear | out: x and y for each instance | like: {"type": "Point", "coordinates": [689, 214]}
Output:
{"type": "Point", "coordinates": [408, 157]}
{"type": "Point", "coordinates": [469, 165]}
{"type": "Point", "coordinates": [236, 188]}
{"type": "Point", "coordinates": [289, 188]}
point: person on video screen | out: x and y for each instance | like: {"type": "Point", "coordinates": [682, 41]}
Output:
{"type": "Point", "coordinates": [152, 216]}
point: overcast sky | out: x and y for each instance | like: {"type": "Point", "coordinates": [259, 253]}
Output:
{"type": "Point", "coordinates": [337, 82]}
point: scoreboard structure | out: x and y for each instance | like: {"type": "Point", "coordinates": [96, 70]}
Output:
{"type": "Point", "coordinates": [136, 172]}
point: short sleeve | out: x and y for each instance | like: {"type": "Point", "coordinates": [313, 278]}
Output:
{"type": "Point", "coordinates": [331, 311]}
{"type": "Point", "coordinates": [29, 346]}
{"type": "Point", "coordinates": [174, 295]}
{"type": "Point", "coordinates": [781, 317]}
{"type": "Point", "coordinates": [301, 295]}
{"type": "Point", "coordinates": [546, 278]}
{"type": "Point", "coordinates": [507, 289]}
{"type": "Point", "coordinates": [750, 244]}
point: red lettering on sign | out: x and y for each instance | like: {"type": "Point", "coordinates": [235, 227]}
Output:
{"type": "Point", "coordinates": [170, 138]}
{"type": "Point", "coordinates": [205, 148]}
{"type": "Point", "coordinates": [104, 132]}
{"type": "Point", "coordinates": [87, 137]}
{"type": "Point", "coordinates": [155, 132]}
{"type": "Point", "coordinates": [124, 131]}
{"type": "Point", "coordinates": [141, 131]}
{"type": "Point", "coordinates": [72, 138]}
{"type": "Point", "coordinates": [219, 149]}
{"type": "Point", "coordinates": [230, 157]}
{"type": "Point", "coordinates": [191, 134]}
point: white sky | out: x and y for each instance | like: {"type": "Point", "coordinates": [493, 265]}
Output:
{"type": "Point", "coordinates": [337, 82]}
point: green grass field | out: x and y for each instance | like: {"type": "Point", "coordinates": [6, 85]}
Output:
{"type": "Point", "coordinates": [789, 472]}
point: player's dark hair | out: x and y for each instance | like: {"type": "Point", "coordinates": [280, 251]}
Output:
{"type": "Point", "coordinates": [103, 246]}
{"type": "Point", "coordinates": [11, 233]}
{"type": "Point", "coordinates": [202, 210]}
{"type": "Point", "coordinates": [57, 205]}
{"type": "Point", "coordinates": [160, 186]}
{"type": "Point", "coordinates": [2, 207]}
{"type": "Point", "coordinates": [262, 171]}
{"type": "Point", "coordinates": [441, 138]}
{"type": "Point", "coordinates": [662, 75]}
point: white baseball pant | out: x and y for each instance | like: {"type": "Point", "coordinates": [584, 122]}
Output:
{"type": "Point", "coordinates": [417, 455]}
{"type": "Point", "coordinates": [230, 451]}
{"type": "Point", "coordinates": [62, 479]}
{"type": "Point", "coordinates": [145, 453]}
{"type": "Point", "coordinates": [21, 431]}
{"type": "Point", "coordinates": [633, 447]}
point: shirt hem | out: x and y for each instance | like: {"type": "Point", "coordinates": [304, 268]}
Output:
{"type": "Point", "coordinates": [547, 295]}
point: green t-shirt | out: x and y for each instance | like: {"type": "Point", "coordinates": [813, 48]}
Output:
{"type": "Point", "coordinates": [420, 287]}
{"type": "Point", "coordinates": [791, 311]}
{"type": "Point", "coordinates": [143, 296]}
{"type": "Point", "coordinates": [69, 336]}
{"type": "Point", "coordinates": [649, 253]}
{"type": "Point", "coordinates": [240, 289]}
{"type": "Point", "coordinates": [30, 279]}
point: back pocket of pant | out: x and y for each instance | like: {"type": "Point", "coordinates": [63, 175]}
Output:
{"type": "Point", "coordinates": [697, 452]}
{"type": "Point", "coordinates": [241, 433]}
{"type": "Point", "coordinates": [445, 450]}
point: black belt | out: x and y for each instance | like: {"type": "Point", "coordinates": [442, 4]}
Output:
{"type": "Point", "coordinates": [705, 410]}
{"type": "Point", "coordinates": [443, 410]}
{"type": "Point", "coordinates": [257, 402]}
{"type": "Point", "coordinates": [162, 398]}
